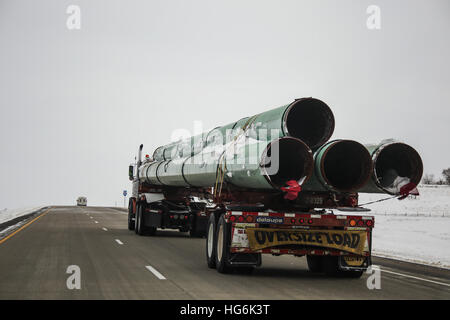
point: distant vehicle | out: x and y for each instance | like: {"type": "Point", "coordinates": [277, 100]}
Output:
{"type": "Point", "coordinates": [82, 201]}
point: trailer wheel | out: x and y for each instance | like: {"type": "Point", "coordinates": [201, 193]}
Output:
{"type": "Point", "coordinates": [331, 268]}
{"type": "Point", "coordinates": [131, 222]}
{"type": "Point", "coordinates": [222, 243]}
{"type": "Point", "coordinates": [140, 228]}
{"type": "Point", "coordinates": [136, 220]}
{"type": "Point", "coordinates": [315, 263]}
{"type": "Point", "coordinates": [193, 231]}
{"type": "Point", "coordinates": [211, 242]}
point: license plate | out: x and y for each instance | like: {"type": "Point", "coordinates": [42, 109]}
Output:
{"type": "Point", "coordinates": [353, 261]}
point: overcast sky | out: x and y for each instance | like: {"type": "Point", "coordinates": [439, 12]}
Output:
{"type": "Point", "coordinates": [75, 104]}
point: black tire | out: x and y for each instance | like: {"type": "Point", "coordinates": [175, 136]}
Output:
{"type": "Point", "coordinates": [193, 231]}
{"type": "Point", "coordinates": [331, 268]}
{"type": "Point", "coordinates": [140, 229]}
{"type": "Point", "coordinates": [315, 263]}
{"type": "Point", "coordinates": [222, 246]}
{"type": "Point", "coordinates": [131, 216]}
{"type": "Point", "coordinates": [137, 222]}
{"type": "Point", "coordinates": [211, 242]}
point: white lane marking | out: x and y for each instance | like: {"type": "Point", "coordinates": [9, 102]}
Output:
{"type": "Point", "coordinates": [96, 221]}
{"type": "Point", "coordinates": [118, 241]}
{"type": "Point", "coordinates": [104, 229]}
{"type": "Point", "coordinates": [417, 278]}
{"type": "Point", "coordinates": [156, 273]}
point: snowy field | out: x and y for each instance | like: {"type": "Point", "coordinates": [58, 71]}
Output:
{"type": "Point", "coordinates": [416, 230]}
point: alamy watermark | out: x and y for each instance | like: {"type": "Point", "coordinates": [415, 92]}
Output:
{"type": "Point", "coordinates": [74, 280]}
{"type": "Point", "coordinates": [73, 21]}
{"type": "Point", "coordinates": [374, 279]}
{"type": "Point", "coordinates": [373, 21]}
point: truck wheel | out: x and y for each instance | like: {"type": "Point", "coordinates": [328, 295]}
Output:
{"type": "Point", "coordinates": [131, 222]}
{"type": "Point", "coordinates": [331, 268]}
{"type": "Point", "coordinates": [222, 243]}
{"type": "Point", "coordinates": [315, 263]}
{"type": "Point", "coordinates": [211, 242]}
{"type": "Point", "coordinates": [330, 265]}
{"type": "Point", "coordinates": [193, 231]}
{"type": "Point", "coordinates": [140, 229]}
{"type": "Point", "coordinates": [136, 221]}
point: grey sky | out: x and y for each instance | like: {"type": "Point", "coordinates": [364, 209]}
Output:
{"type": "Point", "coordinates": [76, 104]}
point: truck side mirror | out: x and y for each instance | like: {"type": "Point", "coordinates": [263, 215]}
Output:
{"type": "Point", "coordinates": [130, 173]}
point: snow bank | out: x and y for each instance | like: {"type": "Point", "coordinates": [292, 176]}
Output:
{"type": "Point", "coordinates": [11, 214]}
{"type": "Point", "coordinates": [414, 229]}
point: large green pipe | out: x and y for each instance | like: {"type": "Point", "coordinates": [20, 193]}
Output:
{"type": "Point", "coordinates": [253, 164]}
{"type": "Point", "coordinates": [340, 166]}
{"type": "Point", "coordinates": [308, 119]}
{"type": "Point", "coordinates": [394, 164]}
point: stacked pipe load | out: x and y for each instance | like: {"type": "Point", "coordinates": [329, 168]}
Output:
{"type": "Point", "coordinates": [288, 143]}
{"type": "Point", "coordinates": [395, 164]}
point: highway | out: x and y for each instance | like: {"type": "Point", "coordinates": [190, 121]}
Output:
{"type": "Point", "coordinates": [115, 263]}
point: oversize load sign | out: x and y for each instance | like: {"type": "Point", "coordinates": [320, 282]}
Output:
{"type": "Point", "coordinates": [350, 241]}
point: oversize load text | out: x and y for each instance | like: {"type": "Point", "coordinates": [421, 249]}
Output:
{"type": "Point", "coordinates": [351, 241]}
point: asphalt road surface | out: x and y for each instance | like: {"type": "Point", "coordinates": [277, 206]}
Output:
{"type": "Point", "coordinates": [117, 264]}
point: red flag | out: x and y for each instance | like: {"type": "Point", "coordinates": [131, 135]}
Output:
{"type": "Point", "coordinates": [292, 190]}
{"type": "Point", "coordinates": [408, 189]}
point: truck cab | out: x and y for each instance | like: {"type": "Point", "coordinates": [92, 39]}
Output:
{"type": "Point", "coordinates": [151, 208]}
{"type": "Point", "coordinates": [82, 201]}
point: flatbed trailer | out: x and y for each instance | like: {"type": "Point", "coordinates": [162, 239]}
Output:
{"type": "Point", "coordinates": [241, 224]}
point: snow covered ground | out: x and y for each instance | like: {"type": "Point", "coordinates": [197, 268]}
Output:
{"type": "Point", "coordinates": [415, 230]}
{"type": "Point", "coordinates": [10, 214]}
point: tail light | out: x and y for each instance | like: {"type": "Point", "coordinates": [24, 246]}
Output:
{"type": "Point", "coordinates": [301, 220]}
{"type": "Point", "coordinates": [369, 223]}
{"type": "Point", "coordinates": [292, 220]}
{"type": "Point", "coordinates": [360, 223]}
{"type": "Point", "coordinates": [241, 219]}
{"type": "Point", "coordinates": [186, 217]}
{"type": "Point", "coordinates": [352, 223]}
{"type": "Point", "coordinates": [249, 219]}
{"type": "Point", "coordinates": [232, 218]}
{"type": "Point", "coordinates": [310, 221]}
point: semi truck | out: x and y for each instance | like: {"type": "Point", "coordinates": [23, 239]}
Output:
{"type": "Point", "coordinates": [290, 192]}
{"type": "Point", "coordinates": [82, 201]}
